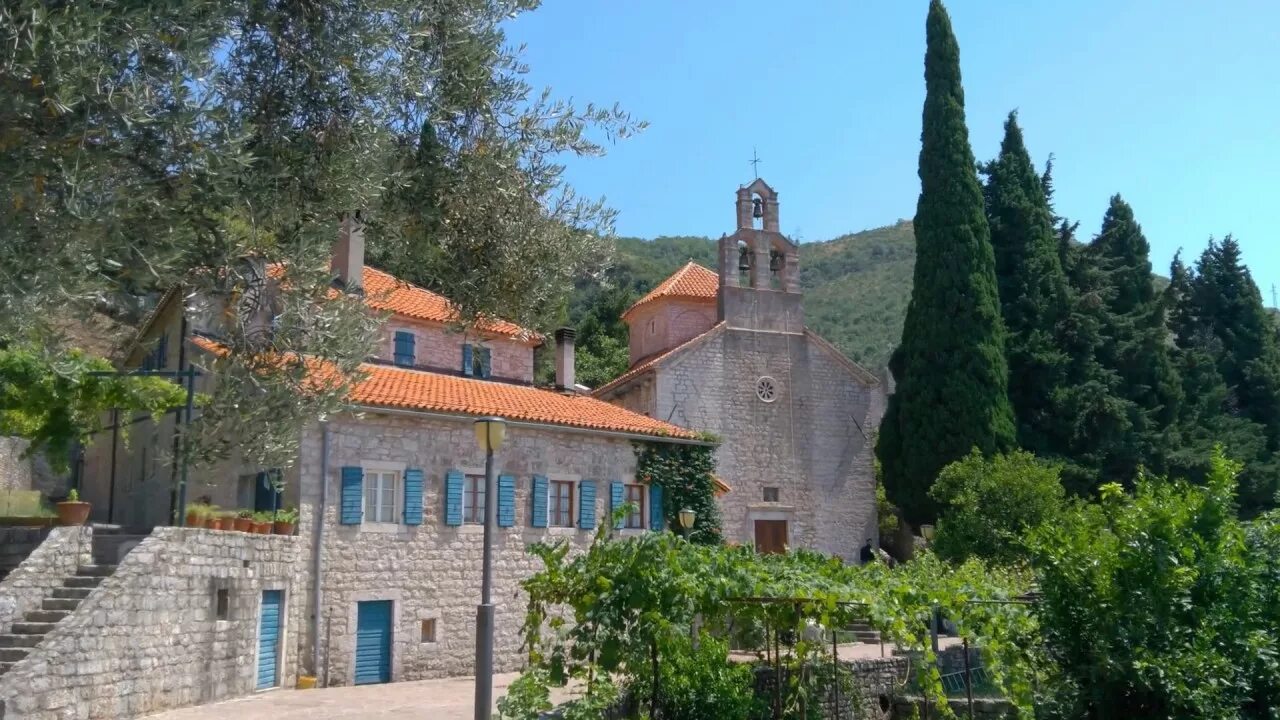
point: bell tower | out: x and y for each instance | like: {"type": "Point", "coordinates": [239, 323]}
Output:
{"type": "Point", "coordinates": [760, 267]}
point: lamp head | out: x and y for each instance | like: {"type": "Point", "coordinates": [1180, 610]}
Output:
{"type": "Point", "coordinates": [490, 432]}
{"type": "Point", "coordinates": [687, 517]}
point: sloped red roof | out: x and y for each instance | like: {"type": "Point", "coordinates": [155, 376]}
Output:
{"type": "Point", "coordinates": [409, 389]}
{"type": "Point", "coordinates": [386, 292]}
{"type": "Point", "coordinates": [692, 282]}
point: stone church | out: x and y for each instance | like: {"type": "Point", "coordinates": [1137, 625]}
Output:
{"type": "Point", "coordinates": [728, 353]}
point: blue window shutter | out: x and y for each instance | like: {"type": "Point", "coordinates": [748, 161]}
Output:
{"type": "Point", "coordinates": [617, 497]}
{"type": "Point", "coordinates": [486, 362]}
{"type": "Point", "coordinates": [404, 352]}
{"type": "Point", "coordinates": [657, 520]}
{"type": "Point", "coordinates": [352, 495]}
{"type": "Point", "coordinates": [413, 496]}
{"type": "Point", "coordinates": [587, 504]}
{"type": "Point", "coordinates": [539, 502]}
{"type": "Point", "coordinates": [453, 498]}
{"type": "Point", "coordinates": [506, 501]}
{"type": "Point", "coordinates": [467, 363]}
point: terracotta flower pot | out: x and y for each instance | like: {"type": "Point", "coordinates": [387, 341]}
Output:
{"type": "Point", "coordinates": [262, 528]}
{"type": "Point", "coordinates": [193, 519]}
{"type": "Point", "coordinates": [72, 513]}
{"type": "Point", "coordinates": [207, 523]}
{"type": "Point", "coordinates": [283, 528]}
{"type": "Point", "coordinates": [244, 524]}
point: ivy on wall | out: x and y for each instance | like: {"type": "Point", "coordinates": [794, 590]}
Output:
{"type": "Point", "coordinates": [686, 474]}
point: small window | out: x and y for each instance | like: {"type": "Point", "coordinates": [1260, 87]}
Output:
{"type": "Point", "coordinates": [380, 488]}
{"type": "Point", "coordinates": [635, 497]}
{"type": "Point", "coordinates": [429, 630]}
{"type": "Point", "coordinates": [403, 351]}
{"type": "Point", "coordinates": [653, 326]}
{"type": "Point", "coordinates": [222, 610]}
{"type": "Point", "coordinates": [771, 494]}
{"type": "Point", "coordinates": [481, 362]}
{"type": "Point", "coordinates": [561, 504]}
{"type": "Point", "coordinates": [473, 500]}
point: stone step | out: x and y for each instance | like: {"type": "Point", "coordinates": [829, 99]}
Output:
{"type": "Point", "coordinates": [12, 641]}
{"type": "Point", "coordinates": [57, 603]}
{"type": "Point", "coordinates": [82, 582]}
{"type": "Point", "coordinates": [32, 628]}
{"type": "Point", "coordinates": [13, 654]}
{"type": "Point", "coordinates": [4, 666]}
{"type": "Point", "coordinates": [71, 593]}
{"type": "Point", "coordinates": [45, 616]}
{"type": "Point", "coordinates": [95, 570]}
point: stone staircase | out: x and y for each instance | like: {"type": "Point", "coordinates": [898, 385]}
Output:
{"type": "Point", "coordinates": [864, 633]}
{"type": "Point", "coordinates": [108, 548]}
{"type": "Point", "coordinates": [25, 635]}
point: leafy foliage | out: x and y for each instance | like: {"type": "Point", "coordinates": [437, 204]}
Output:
{"type": "Point", "coordinates": [1163, 604]}
{"type": "Point", "coordinates": [57, 400]}
{"type": "Point", "coordinates": [686, 475]}
{"type": "Point", "coordinates": [990, 505]}
{"type": "Point", "coordinates": [952, 392]}
{"type": "Point", "coordinates": [602, 613]}
{"type": "Point", "coordinates": [695, 682]}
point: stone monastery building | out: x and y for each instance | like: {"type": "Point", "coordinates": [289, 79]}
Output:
{"type": "Point", "coordinates": [382, 579]}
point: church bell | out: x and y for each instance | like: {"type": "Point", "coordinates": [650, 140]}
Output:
{"type": "Point", "coordinates": [744, 259]}
{"type": "Point", "coordinates": [757, 208]}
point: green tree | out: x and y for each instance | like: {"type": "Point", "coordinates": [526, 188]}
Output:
{"type": "Point", "coordinates": [950, 367]}
{"type": "Point", "coordinates": [1135, 342]}
{"type": "Point", "coordinates": [149, 147]}
{"type": "Point", "coordinates": [989, 505]}
{"type": "Point", "coordinates": [1161, 604]}
{"type": "Point", "coordinates": [1033, 290]}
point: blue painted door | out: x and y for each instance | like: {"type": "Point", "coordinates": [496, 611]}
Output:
{"type": "Point", "coordinates": [373, 642]}
{"type": "Point", "coordinates": [269, 638]}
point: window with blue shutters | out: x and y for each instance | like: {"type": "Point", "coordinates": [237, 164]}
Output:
{"type": "Point", "coordinates": [538, 501]}
{"type": "Point", "coordinates": [587, 504]}
{"type": "Point", "coordinates": [486, 362]}
{"type": "Point", "coordinates": [468, 360]}
{"type": "Point", "coordinates": [453, 498]}
{"type": "Point", "coordinates": [350, 510]}
{"type": "Point", "coordinates": [404, 350]}
{"type": "Point", "coordinates": [413, 496]}
{"type": "Point", "coordinates": [657, 520]}
{"type": "Point", "coordinates": [617, 498]}
{"type": "Point", "coordinates": [506, 501]}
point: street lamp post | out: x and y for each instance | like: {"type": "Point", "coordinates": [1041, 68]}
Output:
{"type": "Point", "coordinates": [490, 433]}
{"type": "Point", "coordinates": [687, 517]}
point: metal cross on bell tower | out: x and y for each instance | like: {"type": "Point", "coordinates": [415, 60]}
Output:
{"type": "Point", "coordinates": [755, 163]}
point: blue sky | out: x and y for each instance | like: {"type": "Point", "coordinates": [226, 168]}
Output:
{"type": "Point", "coordinates": [1174, 104]}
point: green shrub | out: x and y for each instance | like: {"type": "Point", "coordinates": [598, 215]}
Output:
{"type": "Point", "coordinates": [989, 505]}
{"type": "Point", "coordinates": [696, 683]}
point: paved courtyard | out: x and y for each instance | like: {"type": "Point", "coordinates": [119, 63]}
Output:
{"type": "Point", "coordinates": [421, 700]}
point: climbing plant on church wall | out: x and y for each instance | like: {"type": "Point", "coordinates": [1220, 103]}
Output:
{"type": "Point", "coordinates": [686, 474]}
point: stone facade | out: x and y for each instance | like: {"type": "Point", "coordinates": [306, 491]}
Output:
{"type": "Point", "coordinates": [16, 543]}
{"type": "Point", "coordinates": [148, 638]}
{"type": "Point", "coordinates": [794, 416]}
{"type": "Point", "coordinates": [661, 326]}
{"type": "Point", "coordinates": [440, 348]}
{"type": "Point", "coordinates": [433, 571]}
{"type": "Point", "coordinates": [63, 550]}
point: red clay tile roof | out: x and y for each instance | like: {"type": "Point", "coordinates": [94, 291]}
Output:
{"type": "Point", "coordinates": [403, 388]}
{"type": "Point", "coordinates": [652, 361]}
{"type": "Point", "coordinates": [692, 282]}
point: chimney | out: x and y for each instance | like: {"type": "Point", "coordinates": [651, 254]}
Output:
{"type": "Point", "coordinates": [348, 253]}
{"type": "Point", "coordinates": [564, 358]}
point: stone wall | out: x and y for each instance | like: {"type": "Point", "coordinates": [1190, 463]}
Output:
{"type": "Point", "coordinates": [440, 348]}
{"type": "Point", "coordinates": [16, 543]}
{"type": "Point", "coordinates": [64, 550]}
{"type": "Point", "coordinates": [867, 687]}
{"type": "Point", "coordinates": [911, 708]}
{"type": "Point", "coordinates": [148, 639]}
{"type": "Point", "coordinates": [15, 470]}
{"type": "Point", "coordinates": [812, 442]}
{"type": "Point", "coordinates": [665, 323]}
{"type": "Point", "coordinates": [433, 571]}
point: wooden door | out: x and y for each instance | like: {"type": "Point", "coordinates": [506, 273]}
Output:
{"type": "Point", "coordinates": [771, 536]}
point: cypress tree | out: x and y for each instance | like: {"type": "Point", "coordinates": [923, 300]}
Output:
{"type": "Point", "coordinates": [1135, 342]}
{"type": "Point", "coordinates": [950, 368]}
{"type": "Point", "coordinates": [1032, 288]}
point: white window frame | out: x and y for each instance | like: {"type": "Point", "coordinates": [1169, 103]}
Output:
{"type": "Point", "coordinates": [380, 469]}
{"type": "Point", "coordinates": [641, 506]}
{"type": "Point", "coordinates": [573, 501]}
{"type": "Point", "coordinates": [467, 511]}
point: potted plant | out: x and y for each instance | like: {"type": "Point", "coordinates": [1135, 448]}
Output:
{"type": "Point", "coordinates": [195, 514]}
{"type": "Point", "coordinates": [262, 523]}
{"type": "Point", "coordinates": [71, 511]}
{"type": "Point", "coordinates": [244, 521]}
{"type": "Point", "coordinates": [212, 520]}
{"type": "Point", "coordinates": [228, 520]}
{"type": "Point", "coordinates": [285, 520]}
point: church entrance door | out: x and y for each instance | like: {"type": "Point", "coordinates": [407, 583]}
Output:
{"type": "Point", "coordinates": [771, 536]}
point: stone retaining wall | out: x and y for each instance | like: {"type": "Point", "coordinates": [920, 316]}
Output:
{"type": "Point", "coordinates": [148, 639]}
{"type": "Point", "coordinates": [64, 550]}
{"type": "Point", "coordinates": [16, 543]}
{"type": "Point", "coordinates": [983, 708]}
